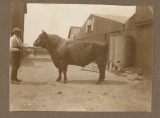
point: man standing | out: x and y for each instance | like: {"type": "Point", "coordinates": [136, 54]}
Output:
{"type": "Point", "coordinates": [16, 46]}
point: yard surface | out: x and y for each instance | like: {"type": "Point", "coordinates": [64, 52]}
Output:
{"type": "Point", "coordinates": [38, 90]}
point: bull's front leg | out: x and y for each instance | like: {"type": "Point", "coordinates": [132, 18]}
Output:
{"type": "Point", "coordinates": [59, 77]}
{"type": "Point", "coordinates": [65, 73]}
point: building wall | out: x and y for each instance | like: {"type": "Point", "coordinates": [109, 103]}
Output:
{"type": "Point", "coordinates": [144, 47]}
{"type": "Point", "coordinates": [107, 26]}
{"type": "Point", "coordinates": [17, 16]}
{"type": "Point", "coordinates": [73, 33]}
{"type": "Point", "coordinates": [121, 50]}
{"type": "Point", "coordinates": [82, 33]}
{"type": "Point", "coordinates": [143, 14]}
{"type": "Point", "coordinates": [102, 27]}
{"type": "Point", "coordinates": [140, 27]}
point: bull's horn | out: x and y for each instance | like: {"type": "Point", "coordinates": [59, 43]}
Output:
{"type": "Point", "coordinates": [44, 32]}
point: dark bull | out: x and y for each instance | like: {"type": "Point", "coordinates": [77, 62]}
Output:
{"type": "Point", "coordinates": [81, 53]}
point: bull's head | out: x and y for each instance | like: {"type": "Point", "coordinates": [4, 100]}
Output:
{"type": "Point", "coordinates": [41, 40]}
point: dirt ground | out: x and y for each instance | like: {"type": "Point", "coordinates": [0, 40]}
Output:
{"type": "Point", "coordinates": [39, 91]}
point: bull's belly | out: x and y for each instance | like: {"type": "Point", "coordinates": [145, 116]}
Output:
{"type": "Point", "coordinates": [81, 61]}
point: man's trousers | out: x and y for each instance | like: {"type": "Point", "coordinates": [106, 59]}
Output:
{"type": "Point", "coordinates": [15, 63]}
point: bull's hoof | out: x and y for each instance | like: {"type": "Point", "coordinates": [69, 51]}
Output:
{"type": "Point", "coordinates": [57, 80]}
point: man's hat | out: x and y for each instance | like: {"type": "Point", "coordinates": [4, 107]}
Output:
{"type": "Point", "coordinates": [16, 30]}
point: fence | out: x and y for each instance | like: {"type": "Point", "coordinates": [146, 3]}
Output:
{"type": "Point", "coordinates": [35, 52]}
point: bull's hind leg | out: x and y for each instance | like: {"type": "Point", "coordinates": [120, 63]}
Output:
{"type": "Point", "coordinates": [103, 72]}
{"type": "Point", "coordinates": [59, 77]}
{"type": "Point", "coordinates": [101, 67]}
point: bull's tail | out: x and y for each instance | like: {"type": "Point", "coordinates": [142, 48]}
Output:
{"type": "Point", "coordinates": [106, 51]}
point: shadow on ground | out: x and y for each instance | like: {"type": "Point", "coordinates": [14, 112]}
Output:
{"type": "Point", "coordinates": [34, 83]}
{"type": "Point", "coordinates": [105, 82]}
{"type": "Point", "coordinates": [93, 82]}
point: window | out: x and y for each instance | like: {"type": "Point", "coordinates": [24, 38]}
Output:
{"type": "Point", "coordinates": [90, 25]}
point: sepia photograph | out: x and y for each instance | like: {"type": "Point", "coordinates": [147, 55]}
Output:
{"type": "Point", "coordinates": [80, 57]}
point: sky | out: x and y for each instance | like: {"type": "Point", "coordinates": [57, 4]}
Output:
{"type": "Point", "coordinates": [58, 18]}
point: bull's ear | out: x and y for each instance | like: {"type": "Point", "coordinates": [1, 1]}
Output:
{"type": "Point", "coordinates": [44, 34]}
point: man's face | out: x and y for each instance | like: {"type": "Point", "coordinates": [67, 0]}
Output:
{"type": "Point", "coordinates": [18, 34]}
